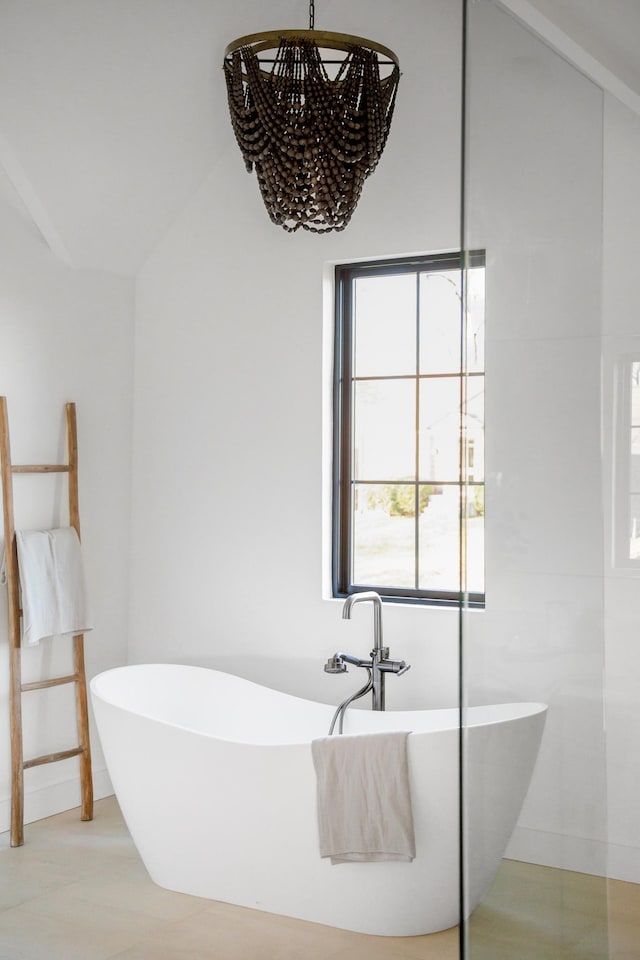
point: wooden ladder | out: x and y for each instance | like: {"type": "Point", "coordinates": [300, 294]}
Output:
{"type": "Point", "coordinates": [17, 687]}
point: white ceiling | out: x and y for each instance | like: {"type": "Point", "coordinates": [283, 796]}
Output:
{"type": "Point", "coordinates": [112, 112]}
{"type": "Point", "coordinates": [609, 30]}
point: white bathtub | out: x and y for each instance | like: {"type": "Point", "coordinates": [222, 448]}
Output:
{"type": "Point", "coordinates": [216, 783]}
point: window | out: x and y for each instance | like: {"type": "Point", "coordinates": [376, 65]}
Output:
{"type": "Point", "coordinates": [401, 475]}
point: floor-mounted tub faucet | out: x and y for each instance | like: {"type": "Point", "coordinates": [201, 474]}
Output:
{"type": "Point", "coordinates": [379, 664]}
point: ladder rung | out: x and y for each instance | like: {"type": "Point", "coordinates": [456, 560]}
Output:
{"type": "Point", "coordinates": [53, 757]}
{"type": "Point", "coordinates": [53, 682]}
{"type": "Point", "coordinates": [42, 468]}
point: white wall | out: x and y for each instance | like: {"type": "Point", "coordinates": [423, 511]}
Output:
{"type": "Point", "coordinates": [621, 330]}
{"type": "Point", "coordinates": [65, 335]}
{"type": "Point", "coordinates": [554, 196]}
{"type": "Point", "coordinates": [535, 202]}
{"type": "Point", "coordinates": [228, 524]}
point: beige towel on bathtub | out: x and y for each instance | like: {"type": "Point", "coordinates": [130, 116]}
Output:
{"type": "Point", "coordinates": [364, 802]}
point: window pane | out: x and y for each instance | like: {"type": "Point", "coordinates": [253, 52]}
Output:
{"type": "Point", "coordinates": [440, 429]}
{"type": "Point", "coordinates": [474, 360]}
{"type": "Point", "coordinates": [475, 539]}
{"type": "Point", "coordinates": [439, 535]}
{"type": "Point", "coordinates": [384, 430]}
{"type": "Point", "coordinates": [475, 428]}
{"type": "Point", "coordinates": [440, 321]}
{"type": "Point", "coordinates": [385, 326]}
{"type": "Point", "coordinates": [440, 311]}
{"type": "Point", "coordinates": [384, 535]}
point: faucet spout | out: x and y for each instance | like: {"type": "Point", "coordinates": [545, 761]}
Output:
{"type": "Point", "coordinates": [379, 664]}
{"type": "Point", "coordinates": [374, 597]}
{"type": "Point", "coordinates": [379, 653]}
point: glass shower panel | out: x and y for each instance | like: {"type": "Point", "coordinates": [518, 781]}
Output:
{"type": "Point", "coordinates": [535, 818]}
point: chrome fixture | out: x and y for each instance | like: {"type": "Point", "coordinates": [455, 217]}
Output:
{"type": "Point", "coordinates": [379, 664]}
{"type": "Point", "coordinates": [342, 707]}
{"type": "Point", "coordinates": [335, 665]}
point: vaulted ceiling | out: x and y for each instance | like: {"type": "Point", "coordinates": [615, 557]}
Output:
{"type": "Point", "coordinates": [609, 30]}
{"type": "Point", "coordinates": [112, 112]}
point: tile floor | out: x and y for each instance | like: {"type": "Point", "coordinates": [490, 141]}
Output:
{"type": "Point", "coordinates": [78, 891]}
{"type": "Point", "coordinates": [536, 913]}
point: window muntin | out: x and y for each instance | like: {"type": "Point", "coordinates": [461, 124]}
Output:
{"type": "Point", "coordinates": [399, 486]}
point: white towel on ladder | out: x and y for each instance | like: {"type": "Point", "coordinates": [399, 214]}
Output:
{"type": "Point", "coordinates": [54, 596]}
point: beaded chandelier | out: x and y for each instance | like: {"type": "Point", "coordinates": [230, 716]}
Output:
{"type": "Point", "coordinates": [311, 125]}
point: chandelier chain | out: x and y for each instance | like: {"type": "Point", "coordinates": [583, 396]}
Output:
{"type": "Point", "coordinates": [312, 14]}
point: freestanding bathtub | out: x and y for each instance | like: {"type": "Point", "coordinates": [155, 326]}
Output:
{"type": "Point", "coordinates": [216, 783]}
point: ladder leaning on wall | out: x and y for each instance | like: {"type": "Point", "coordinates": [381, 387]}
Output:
{"type": "Point", "coordinates": [17, 687]}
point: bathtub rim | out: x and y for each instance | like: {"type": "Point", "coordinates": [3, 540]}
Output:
{"type": "Point", "coordinates": [517, 710]}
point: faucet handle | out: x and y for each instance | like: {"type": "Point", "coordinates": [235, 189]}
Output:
{"type": "Point", "coordinates": [394, 666]}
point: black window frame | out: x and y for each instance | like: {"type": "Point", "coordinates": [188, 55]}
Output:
{"type": "Point", "coordinates": [342, 478]}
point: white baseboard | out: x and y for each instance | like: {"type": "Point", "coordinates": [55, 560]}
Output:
{"type": "Point", "coordinates": [54, 798]}
{"type": "Point", "coordinates": [581, 855]}
{"type": "Point", "coordinates": [624, 863]}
